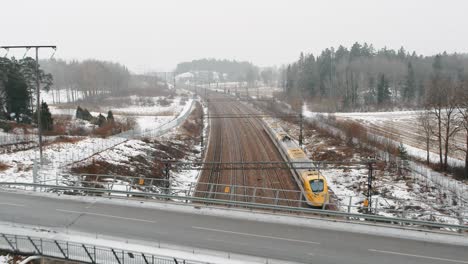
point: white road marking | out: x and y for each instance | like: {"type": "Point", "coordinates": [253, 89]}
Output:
{"type": "Point", "coordinates": [104, 215]}
{"type": "Point", "coordinates": [90, 205]}
{"type": "Point", "coordinates": [253, 235]}
{"type": "Point", "coordinates": [12, 204]}
{"type": "Point", "coordinates": [417, 256]}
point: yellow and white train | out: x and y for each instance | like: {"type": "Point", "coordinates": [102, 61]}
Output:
{"type": "Point", "coordinates": [314, 184]}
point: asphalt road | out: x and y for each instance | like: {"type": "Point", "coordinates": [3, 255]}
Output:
{"type": "Point", "coordinates": [269, 240]}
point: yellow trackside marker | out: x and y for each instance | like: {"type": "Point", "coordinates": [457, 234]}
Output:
{"type": "Point", "coordinates": [141, 181]}
{"type": "Point", "coordinates": [227, 189]}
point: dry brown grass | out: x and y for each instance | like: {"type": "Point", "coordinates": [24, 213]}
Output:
{"type": "Point", "coordinates": [3, 166]}
{"type": "Point", "coordinates": [96, 167]}
{"type": "Point", "coordinates": [63, 139]}
{"type": "Point", "coordinates": [193, 125]}
{"type": "Point", "coordinates": [61, 123]}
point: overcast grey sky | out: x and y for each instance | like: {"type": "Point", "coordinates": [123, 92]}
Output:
{"type": "Point", "coordinates": [156, 35]}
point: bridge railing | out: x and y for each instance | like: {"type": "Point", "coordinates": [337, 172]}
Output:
{"type": "Point", "coordinates": [28, 246]}
{"type": "Point", "coordinates": [258, 194]}
{"type": "Point", "coordinates": [261, 207]}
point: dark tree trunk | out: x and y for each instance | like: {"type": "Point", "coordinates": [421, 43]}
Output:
{"type": "Point", "coordinates": [447, 141]}
{"type": "Point", "coordinates": [428, 150]}
{"type": "Point", "coordinates": [440, 141]}
{"type": "Point", "coordinates": [466, 156]}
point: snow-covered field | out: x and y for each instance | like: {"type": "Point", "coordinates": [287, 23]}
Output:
{"type": "Point", "coordinates": [400, 127]}
{"type": "Point", "coordinates": [20, 164]}
{"type": "Point", "coordinates": [59, 96]}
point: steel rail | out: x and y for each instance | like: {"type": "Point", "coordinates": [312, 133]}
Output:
{"type": "Point", "coordinates": [345, 216]}
{"type": "Point", "coordinates": [280, 180]}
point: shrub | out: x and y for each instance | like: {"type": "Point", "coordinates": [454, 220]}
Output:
{"type": "Point", "coordinates": [83, 114]}
{"type": "Point", "coordinates": [110, 117]}
{"type": "Point", "coordinates": [101, 120]}
{"type": "Point", "coordinates": [164, 102]}
{"type": "Point", "coordinates": [6, 126]}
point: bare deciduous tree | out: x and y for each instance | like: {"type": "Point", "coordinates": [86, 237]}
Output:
{"type": "Point", "coordinates": [426, 128]}
{"type": "Point", "coordinates": [463, 111]}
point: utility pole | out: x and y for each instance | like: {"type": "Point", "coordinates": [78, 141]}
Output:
{"type": "Point", "coordinates": [369, 189]}
{"type": "Point", "coordinates": [38, 88]}
{"type": "Point", "coordinates": [300, 129]}
{"type": "Point", "coordinates": [201, 134]}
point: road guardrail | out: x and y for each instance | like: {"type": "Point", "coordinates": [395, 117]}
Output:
{"type": "Point", "coordinates": [342, 216]}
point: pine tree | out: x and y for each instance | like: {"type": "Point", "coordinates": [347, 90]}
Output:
{"type": "Point", "coordinates": [383, 92]}
{"type": "Point", "coordinates": [16, 94]}
{"type": "Point", "coordinates": [79, 113]}
{"type": "Point", "coordinates": [110, 117]}
{"type": "Point", "coordinates": [47, 121]}
{"type": "Point", "coordinates": [403, 158]}
{"type": "Point", "coordinates": [410, 86]}
{"type": "Point", "coordinates": [101, 120]}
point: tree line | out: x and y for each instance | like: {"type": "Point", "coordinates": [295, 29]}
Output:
{"type": "Point", "coordinates": [227, 70]}
{"type": "Point", "coordinates": [445, 112]}
{"type": "Point", "coordinates": [18, 82]}
{"type": "Point", "coordinates": [363, 78]}
{"type": "Point", "coordinates": [88, 78]}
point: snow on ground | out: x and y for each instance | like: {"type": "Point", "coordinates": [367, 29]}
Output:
{"type": "Point", "coordinates": [148, 106]}
{"type": "Point", "coordinates": [56, 156]}
{"type": "Point", "coordinates": [405, 196]}
{"type": "Point", "coordinates": [3, 259]}
{"type": "Point", "coordinates": [398, 126]}
{"type": "Point", "coordinates": [56, 96]}
{"type": "Point", "coordinates": [146, 123]}
{"type": "Point", "coordinates": [137, 158]}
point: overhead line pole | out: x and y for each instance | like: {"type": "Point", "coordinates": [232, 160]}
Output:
{"type": "Point", "coordinates": [38, 88]}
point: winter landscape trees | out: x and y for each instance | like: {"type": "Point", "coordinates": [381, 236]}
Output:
{"type": "Point", "coordinates": [18, 88]}
{"type": "Point", "coordinates": [363, 78]}
{"type": "Point", "coordinates": [89, 78]}
{"type": "Point", "coordinates": [231, 71]}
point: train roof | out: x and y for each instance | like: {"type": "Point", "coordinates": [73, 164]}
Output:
{"type": "Point", "coordinates": [313, 174]}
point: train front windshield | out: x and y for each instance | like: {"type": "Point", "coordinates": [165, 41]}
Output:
{"type": "Point", "coordinates": [316, 185]}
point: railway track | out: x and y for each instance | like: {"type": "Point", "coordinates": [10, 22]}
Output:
{"type": "Point", "coordinates": [276, 179]}
{"type": "Point", "coordinates": [241, 140]}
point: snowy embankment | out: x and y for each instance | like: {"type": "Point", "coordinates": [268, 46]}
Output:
{"type": "Point", "coordinates": [401, 125]}
{"type": "Point", "coordinates": [377, 117]}
{"type": "Point", "coordinates": [20, 164]}
{"type": "Point", "coordinates": [422, 194]}
{"type": "Point", "coordinates": [452, 191]}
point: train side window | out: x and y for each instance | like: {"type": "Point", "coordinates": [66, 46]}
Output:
{"type": "Point", "coordinates": [316, 185]}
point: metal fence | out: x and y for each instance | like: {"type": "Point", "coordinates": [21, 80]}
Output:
{"type": "Point", "coordinates": [132, 185]}
{"type": "Point", "coordinates": [242, 204]}
{"type": "Point", "coordinates": [165, 127]}
{"type": "Point", "coordinates": [7, 139]}
{"type": "Point", "coordinates": [27, 245]}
